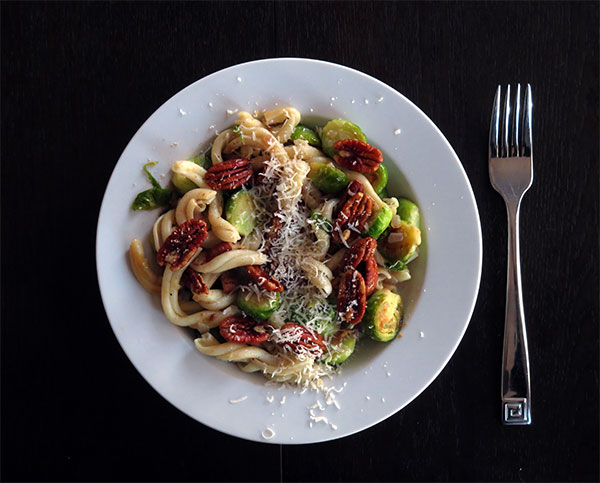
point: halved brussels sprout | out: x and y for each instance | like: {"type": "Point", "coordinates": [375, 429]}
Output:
{"type": "Point", "coordinates": [340, 352]}
{"type": "Point", "coordinates": [379, 222]}
{"type": "Point", "coordinates": [240, 211]}
{"type": "Point", "coordinates": [378, 179]}
{"type": "Point", "coordinates": [400, 244]}
{"type": "Point", "coordinates": [408, 212]}
{"type": "Point", "coordinates": [327, 178]}
{"type": "Point", "coordinates": [323, 312]}
{"type": "Point", "coordinates": [337, 130]}
{"type": "Point", "coordinates": [258, 306]}
{"type": "Point", "coordinates": [306, 133]}
{"type": "Point", "coordinates": [383, 317]}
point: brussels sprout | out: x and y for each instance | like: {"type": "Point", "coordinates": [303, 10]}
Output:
{"type": "Point", "coordinates": [327, 178]}
{"type": "Point", "coordinates": [378, 179]}
{"type": "Point", "coordinates": [183, 184]}
{"type": "Point", "coordinates": [383, 317]}
{"type": "Point", "coordinates": [408, 212]}
{"type": "Point", "coordinates": [340, 352]}
{"type": "Point", "coordinates": [379, 222]}
{"type": "Point", "coordinates": [337, 130]}
{"type": "Point", "coordinates": [240, 211]}
{"type": "Point", "coordinates": [306, 133]}
{"type": "Point", "coordinates": [258, 306]}
{"type": "Point", "coordinates": [400, 244]}
{"type": "Point", "coordinates": [323, 315]}
{"type": "Point", "coordinates": [384, 193]}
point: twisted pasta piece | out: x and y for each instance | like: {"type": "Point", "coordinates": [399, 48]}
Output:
{"type": "Point", "coordinates": [216, 153]}
{"type": "Point", "coordinates": [162, 228]}
{"type": "Point", "coordinates": [169, 297]}
{"type": "Point", "coordinates": [221, 228]}
{"type": "Point", "coordinates": [285, 118]}
{"type": "Point", "coordinates": [248, 120]}
{"type": "Point", "coordinates": [368, 187]}
{"type": "Point", "coordinates": [300, 372]}
{"type": "Point", "coordinates": [212, 318]}
{"type": "Point", "coordinates": [321, 247]}
{"type": "Point", "coordinates": [304, 151]}
{"type": "Point", "coordinates": [193, 203]}
{"type": "Point", "coordinates": [191, 171]}
{"type": "Point", "coordinates": [334, 262]}
{"type": "Point", "coordinates": [277, 367]}
{"type": "Point", "coordinates": [318, 274]}
{"type": "Point", "coordinates": [215, 299]}
{"type": "Point", "coordinates": [142, 271]}
{"type": "Point", "coordinates": [232, 259]}
{"type": "Point", "coordinates": [251, 241]}
{"type": "Point", "coordinates": [312, 196]}
{"type": "Point", "coordinates": [232, 351]}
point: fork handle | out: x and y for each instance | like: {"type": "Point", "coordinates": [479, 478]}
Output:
{"type": "Point", "coordinates": [516, 386]}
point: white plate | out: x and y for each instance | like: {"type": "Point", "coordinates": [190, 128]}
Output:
{"type": "Point", "coordinates": [380, 379]}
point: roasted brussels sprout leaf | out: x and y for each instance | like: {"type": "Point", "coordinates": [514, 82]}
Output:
{"type": "Point", "coordinates": [154, 197]}
{"type": "Point", "coordinates": [327, 178]}
{"type": "Point", "coordinates": [378, 179]}
{"type": "Point", "coordinates": [307, 134]}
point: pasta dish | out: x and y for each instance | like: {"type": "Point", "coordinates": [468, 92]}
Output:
{"type": "Point", "coordinates": [281, 246]}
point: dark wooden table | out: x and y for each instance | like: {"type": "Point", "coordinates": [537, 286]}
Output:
{"type": "Point", "coordinates": [79, 79]}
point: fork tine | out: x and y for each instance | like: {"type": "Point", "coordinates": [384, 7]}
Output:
{"type": "Point", "coordinates": [495, 126]}
{"type": "Point", "coordinates": [505, 123]}
{"type": "Point", "coordinates": [527, 120]}
{"type": "Point", "coordinates": [516, 121]}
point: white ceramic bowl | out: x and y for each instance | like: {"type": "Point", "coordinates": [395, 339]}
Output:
{"type": "Point", "coordinates": [379, 379]}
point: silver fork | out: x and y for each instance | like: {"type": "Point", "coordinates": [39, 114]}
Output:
{"type": "Point", "coordinates": [511, 174]}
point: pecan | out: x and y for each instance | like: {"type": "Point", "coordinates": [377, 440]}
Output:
{"type": "Point", "coordinates": [351, 220]}
{"type": "Point", "coordinates": [352, 297]}
{"type": "Point", "coordinates": [370, 275]}
{"type": "Point", "coordinates": [229, 175]}
{"type": "Point", "coordinates": [217, 250]}
{"type": "Point", "coordinates": [182, 244]}
{"type": "Point", "coordinates": [352, 188]}
{"type": "Point", "coordinates": [357, 156]}
{"type": "Point", "coordinates": [263, 279]}
{"type": "Point", "coordinates": [193, 280]}
{"type": "Point", "coordinates": [301, 340]}
{"type": "Point", "coordinates": [360, 251]}
{"type": "Point", "coordinates": [229, 282]}
{"type": "Point", "coordinates": [244, 330]}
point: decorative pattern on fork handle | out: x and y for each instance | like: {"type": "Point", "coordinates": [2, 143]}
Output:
{"type": "Point", "coordinates": [511, 174]}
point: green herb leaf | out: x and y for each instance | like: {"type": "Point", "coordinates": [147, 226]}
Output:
{"type": "Point", "coordinates": [155, 183]}
{"type": "Point", "coordinates": [397, 266]}
{"type": "Point", "coordinates": [154, 197]}
{"type": "Point", "coordinates": [238, 130]}
{"type": "Point", "coordinates": [321, 222]}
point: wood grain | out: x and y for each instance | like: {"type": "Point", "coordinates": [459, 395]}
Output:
{"type": "Point", "coordinates": [77, 82]}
